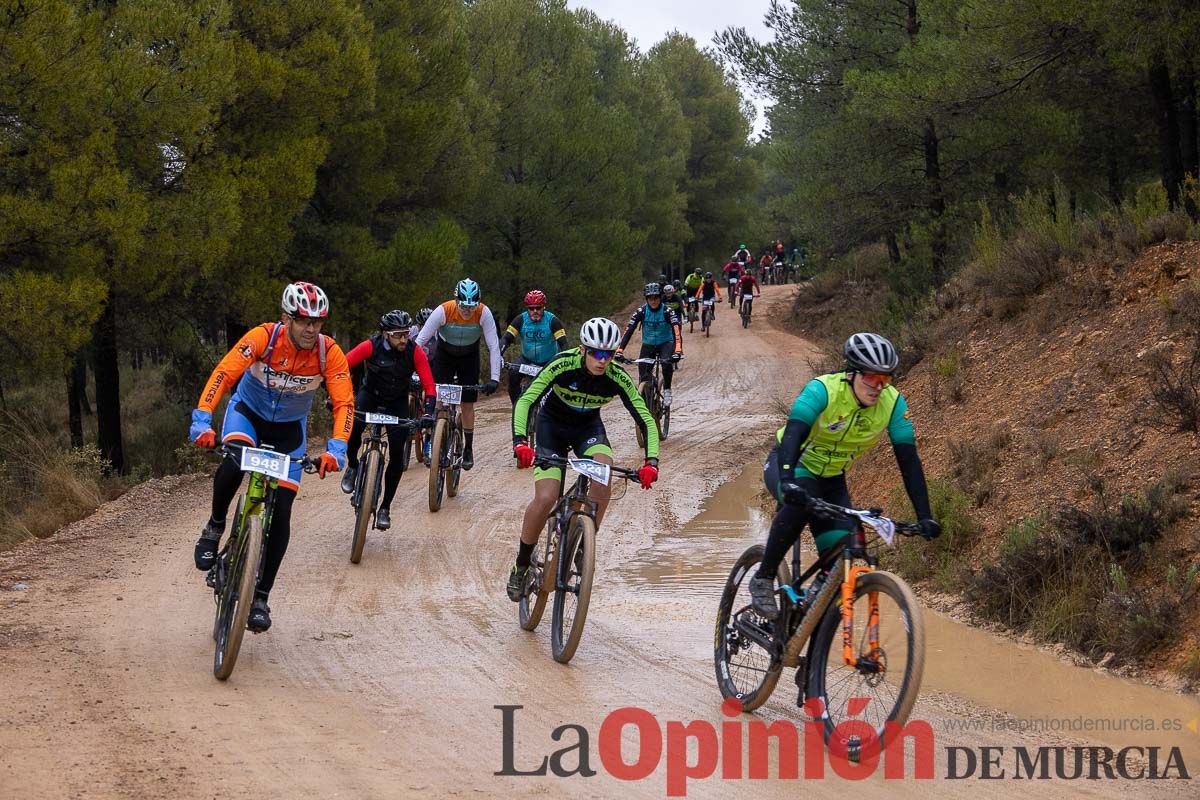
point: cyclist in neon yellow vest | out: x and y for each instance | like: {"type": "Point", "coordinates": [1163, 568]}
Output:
{"type": "Point", "coordinates": [836, 419]}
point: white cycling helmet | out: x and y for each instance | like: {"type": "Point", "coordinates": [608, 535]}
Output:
{"type": "Point", "coordinates": [870, 352]}
{"type": "Point", "coordinates": [600, 333]}
{"type": "Point", "coordinates": [302, 299]}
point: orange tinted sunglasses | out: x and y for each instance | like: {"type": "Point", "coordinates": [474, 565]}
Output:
{"type": "Point", "coordinates": [876, 379]}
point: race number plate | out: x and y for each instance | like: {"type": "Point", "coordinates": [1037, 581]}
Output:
{"type": "Point", "coordinates": [529, 369]}
{"type": "Point", "coordinates": [449, 394]}
{"type": "Point", "coordinates": [883, 526]}
{"type": "Point", "coordinates": [269, 463]}
{"type": "Point", "coordinates": [601, 473]}
{"type": "Point", "coordinates": [381, 419]}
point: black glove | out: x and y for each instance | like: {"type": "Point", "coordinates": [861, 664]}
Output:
{"type": "Point", "coordinates": [930, 529]}
{"type": "Point", "coordinates": [675, 357]}
{"type": "Point", "coordinates": [430, 406]}
{"type": "Point", "coordinates": [490, 387]}
{"type": "Point", "coordinates": [793, 493]}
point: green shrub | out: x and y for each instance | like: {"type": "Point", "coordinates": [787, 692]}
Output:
{"type": "Point", "coordinates": [941, 560]}
{"type": "Point", "coordinates": [974, 460]}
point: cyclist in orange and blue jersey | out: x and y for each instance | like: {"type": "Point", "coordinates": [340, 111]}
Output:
{"type": "Point", "coordinates": [277, 368]}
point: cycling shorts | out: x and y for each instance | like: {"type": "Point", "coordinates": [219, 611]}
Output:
{"type": "Point", "coordinates": [241, 425]}
{"type": "Point", "coordinates": [556, 438]}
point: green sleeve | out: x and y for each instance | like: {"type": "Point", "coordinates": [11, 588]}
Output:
{"type": "Point", "coordinates": [900, 428]}
{"type": "Point", "coordinates": [812, 401]}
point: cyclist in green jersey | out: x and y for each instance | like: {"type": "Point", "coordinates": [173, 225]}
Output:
{"type": "Point", "coordinates": [578, 382]}
{"type": "Point", "coordinates": [674, 301]}
{"type": "Point", "coordinates": [836, 419]}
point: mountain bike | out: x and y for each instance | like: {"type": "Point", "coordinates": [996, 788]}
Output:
{"type": "Point", "coordinates": [708, 315]}
{"type": "Point", "coordinates": [732, 292]}
{"type": "Point", "coordinates": [884, 667]}
{"type": "Point", "coordinates": [445, 469]}
{"type": "Point", "coordinates": [234, 576]}
{"type": "Point", "coordinates": [368, 481]}
{"type": "Point", "coordinates": [568, 554]}
{"type": "Point", "coordinates": [747, 299]}
{"type": "Point", "coordinates": [693, 305]}
{"type": "Point", "coordinates": [651, 392]}
{"type": "Point", "coordinates": [528, 372]}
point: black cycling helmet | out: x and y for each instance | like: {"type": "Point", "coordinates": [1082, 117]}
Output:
{"type": "Point", "coordinates": [396, 320]}
{"type": "Point", "coordinates": [652, 290]}
{"type": "Point", "coordinates": [423, 315]}
{"type": "Point", "coordinates": [870, 352]}
{"type": "Point", "coordinates": [708, 276]}
{"type": "Point", "coordinates": [697, 272]}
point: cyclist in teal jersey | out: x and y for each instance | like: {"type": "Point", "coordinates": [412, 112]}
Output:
{"type": "Point", "coordinates": [836, 419]}
{"type": "Point", "coordinates": [660, 337]}
{"type": "Point", "coordinates": [541, 333]}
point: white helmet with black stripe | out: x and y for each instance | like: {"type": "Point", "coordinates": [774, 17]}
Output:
{"type": "Point", "coordinates": [600, 333]}
{"type": "Point", "coordinates": [870, 352]}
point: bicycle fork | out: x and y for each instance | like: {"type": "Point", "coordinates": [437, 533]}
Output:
{"type": "Point", "coordinates": [868, 662]}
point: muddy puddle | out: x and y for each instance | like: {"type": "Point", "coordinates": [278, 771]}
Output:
{"type": "Point", "coordinates": [1039, 691]}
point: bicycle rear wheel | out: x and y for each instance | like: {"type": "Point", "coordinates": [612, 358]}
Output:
{"type": "Point", "coordinates": [438, 457]}
{"type": "Point", "coordinates": [571, 600]}
{"type": "Point", "coordinates": [747, 648]}
{"type": "Point", "coordinates": [366, 504]}
{"type": "Point", "coordinates": [889, 678]}
{"type": "Point", "coordinates": [537, 588]}
{"type": "Point", "coordinates": [236, 596]}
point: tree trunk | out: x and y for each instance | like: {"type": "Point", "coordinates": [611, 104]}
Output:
{"type": "Point", "coordinates": [79, 378]}
{"type": "Point", "coordinates": [108, 386]}
{"type": "Point", "coordinates": [936, 201]}
{"type": "Point", "coordinates": [1189, 148]}
{"type": "Point", "coordinates": [77, 399]}
{"type": "Point", "coordinates": [893, 247]}
{"type": "Point", "coordinates": [1165, 116]}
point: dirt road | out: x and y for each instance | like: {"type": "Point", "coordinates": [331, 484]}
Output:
{"type": "Point", "coordinates": [383, 679]}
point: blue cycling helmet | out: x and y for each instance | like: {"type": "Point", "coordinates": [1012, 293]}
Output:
{"type": "Point", "coordinates": [467, 293]}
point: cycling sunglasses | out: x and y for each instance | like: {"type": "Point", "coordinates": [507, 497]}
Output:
{"type": "Point", "coordinates": [876, 379]}
{"type": "Point", "coordinates": [601, 355]}
{"type": "Point", "coordinates": [396, 333]}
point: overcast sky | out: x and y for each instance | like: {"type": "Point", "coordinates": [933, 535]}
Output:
{"type": "Point", "coordinates": [648, 21]}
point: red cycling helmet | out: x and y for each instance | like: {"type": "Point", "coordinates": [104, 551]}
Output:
{"type": "Point", "coordinates": [535, 297]}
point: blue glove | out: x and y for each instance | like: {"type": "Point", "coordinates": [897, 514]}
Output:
{"type": "Point", "coordinates": [337, 449]}
{"type": "Point", "coordinates": [201, 422]}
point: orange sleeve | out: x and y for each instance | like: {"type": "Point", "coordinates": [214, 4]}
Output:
{"type": "Point", "coordinates": [248, 349]}
{"type": "Point", "coordinates": [341, 391]}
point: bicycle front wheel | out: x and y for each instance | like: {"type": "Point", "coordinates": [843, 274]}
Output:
{"type": "Point", "coordinates": [236, 596]}
{"type": "Point", "coordinates": [366, 504]}
{"type": "Point", "coordinates": [438, 457]}
{"type": "Point", "coordinates": [456, 454]}
{"type": "Point", "coordinates": [889, 660]}
{"type": "Point", "coordinates": [665, 424]}
{"type": "Point", "coordinates": [571, 598]}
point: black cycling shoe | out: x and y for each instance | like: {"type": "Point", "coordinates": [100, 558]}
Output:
{"type": "Point", "coordinates": [516, 583]}
{"type": "Point", "coordinates": [348, 479]}
{"type": "Point", "coordinates": [206, 546]}
{"type": "Point", "coordinates": [468, 458]}
{"type": "Point", "coordinates": [260, 616]}
{"type": "Point", "coordinates": [762, 597]}
{"type": "Point", "coordinates": [383, 518]}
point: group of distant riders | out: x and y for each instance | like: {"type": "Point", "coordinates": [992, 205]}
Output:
{"type": "Point", "coordinates": [275, 369]}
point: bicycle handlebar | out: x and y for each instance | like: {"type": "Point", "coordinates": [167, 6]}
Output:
{"type": "Point", "coordinates": [832, 510]}
{"type": "Point", "coordinates": [559, 461]}
{"type": "Point", "coordinates": [234, 449]}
